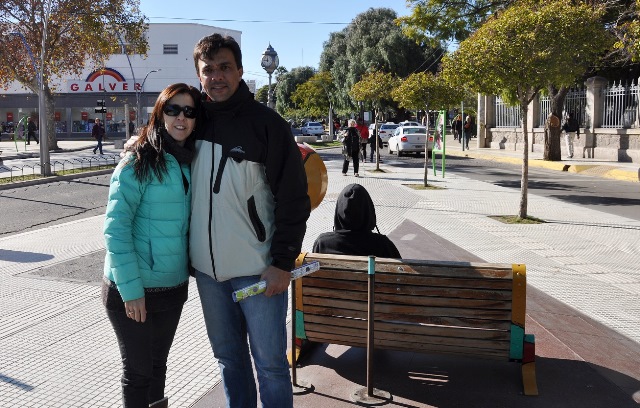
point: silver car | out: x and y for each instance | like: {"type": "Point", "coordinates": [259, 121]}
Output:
{"type": "Point", "coordinates": [313, 129]}
{"type": "Point", "coordinates": [386, 130]}
{"type": "Point", "coordinates": [409, 139]}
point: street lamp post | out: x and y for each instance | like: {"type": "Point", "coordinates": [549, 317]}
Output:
{"type": "Point", "coordinates": [139, 93]}
{"type": "Point", "coordinates": [270, 62]}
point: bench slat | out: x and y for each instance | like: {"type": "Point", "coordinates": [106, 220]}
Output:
{"type": "Point", "coordinates": [441, 298]}
{"type": "Point", "coordinates": [339, 324]}
{"type": "Point", "coordinates": [351, 277]}
{"type": "Point", "coordinates": [456, 321]}
{"type": "Point", "coordinates": [396, 344]}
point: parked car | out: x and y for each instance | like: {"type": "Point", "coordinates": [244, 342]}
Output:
{"type": "Point", "coordinates": [386, 130]}
{"type": "Point", "coordinates": [409, 123]}
{"type": "Point", "coordinates": [409, 139]}
{"type": "Point", "coordinates": [312, 128]}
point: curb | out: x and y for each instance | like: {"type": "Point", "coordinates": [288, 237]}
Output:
{"type": "Point", "coordinates": [606, 171]}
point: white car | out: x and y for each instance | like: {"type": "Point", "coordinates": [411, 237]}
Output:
{"type": "Point", "coordinates": [409, 139]}
{"type": "Point", "coordinates": [386, 130]}
{"type": "Point", "coordinates": [409, 123]}
{"type": "Point", "coordinates": [312, 128]}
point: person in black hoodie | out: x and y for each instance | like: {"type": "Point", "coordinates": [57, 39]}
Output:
{"type": "Point", "coordinates": [354, 221]}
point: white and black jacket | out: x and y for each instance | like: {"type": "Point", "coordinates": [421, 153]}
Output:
{"type": "Point", "coordinates": [249, 203]}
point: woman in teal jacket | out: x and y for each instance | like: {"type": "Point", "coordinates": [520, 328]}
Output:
{"type": "Point", "coordinates": [146, 271]}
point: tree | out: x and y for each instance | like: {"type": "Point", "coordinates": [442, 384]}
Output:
{"type": "Point", "coordinates": [76, 37]}
{"type": "Point", "coordinates": [374, 87]}
{"type": "Point", "coordinates": [524, 48]}
{"type": "Point", "coordinates": [262, 94]}
{"type": "Point", "coordinates": [423, 90]}
{"type": "Point", "coordinates": [312, 97]}
{"type": "Point", "coordinates": [372, 41]}
{"type": "Point", "coordinates": [287, 84]}
{"type": "Point", "coordinates": [454, 20]}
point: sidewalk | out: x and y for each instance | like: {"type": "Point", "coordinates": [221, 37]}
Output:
{"type": "Point", "coordinates": [58, 349]}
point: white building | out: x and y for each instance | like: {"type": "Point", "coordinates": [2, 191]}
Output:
{"type": "Point", "coordinates": [133, 81]}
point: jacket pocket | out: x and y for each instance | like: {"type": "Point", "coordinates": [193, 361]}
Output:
{"type": "Point", "coordinates": [258, 226]}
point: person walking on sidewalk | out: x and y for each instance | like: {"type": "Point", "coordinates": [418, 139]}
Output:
{"type": "Point", "coordinates": [98, 133]}
{"type": "Point", "coordinates": [31, 131]}
{"type": "Point", "coordinates": [468, 128]}
{"type": "Point", "coordinates": [250, 209]}
{"type": "Point", "coordinates": [351, 148]}
{"type": "Point", "coordinates": [364, 138]}
{"type": "Point", "coordinates": [353, 224]}
{"type": "Point", "coordinates": [146, 268]}
{"type": "Point", "coordinates": [571, 129]}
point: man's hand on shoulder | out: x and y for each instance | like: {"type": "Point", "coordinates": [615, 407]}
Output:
{"type": "Point", "coordinates": [277, 280]}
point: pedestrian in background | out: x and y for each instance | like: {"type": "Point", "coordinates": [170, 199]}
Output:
{"type": "Point", "coordinates": [457, 128]}
{"type": "Point", "coordinates": [250, 208]}
{"type": "Point", "coordinates": [353, 224]}
{"type": "Point", "coordinates": [98, 133]}
{"type": "Point", "coordinates": [31, 131]}
{"type": "Point", "coordinates": [351, 148]}
{"type": "Point", "coordinates": [571, 129]}
{"type": "Point", "coordinates": [364, 138]}
{"type": "Point", "coordinates": [146, 268]}
{"type": "Point", "coordinates": [468, 129]}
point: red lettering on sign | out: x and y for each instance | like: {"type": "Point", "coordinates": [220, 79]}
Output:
{"type": "Point", "coordinates": [125, 86]}
{"type": "Point", "coordinates": [74, 87]}
{"type": "Point", "coordinates": [88, 87]}
{"type": "Point", "coordinates": [112, 87]}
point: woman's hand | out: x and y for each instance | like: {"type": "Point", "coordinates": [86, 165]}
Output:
{"type": "Point", "coordinates": [136, 310]}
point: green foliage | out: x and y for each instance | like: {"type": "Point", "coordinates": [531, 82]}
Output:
{"type": "Point", "coordinates": [372, 41]}
{"type": "Point", "coordinates": [262, 94]}
{"type": "Point", "coordinates": [374, 87]}
{"type": "Point", "coordinates": [287, 84]}
{"type": "Point", "coordinates": [628, 33]}
{"type": "Point", "coordinates": [527, 47]}
{"type": "Point", "coordinates": [425, 90]}
{"type": "Point", "coordinates": [447, 20]}
{"type": "Point", "coordinates": [312, 97]}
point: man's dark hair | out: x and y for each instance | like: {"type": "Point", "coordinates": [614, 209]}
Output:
{"type": "Point", "coordinates": [210, 45]}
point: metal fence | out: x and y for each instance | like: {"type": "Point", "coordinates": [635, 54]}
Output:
{"type": "Point", "coordinates": [575, 102]}
{"type": "Point", "coordinates": [59, 167]}
{"type": "Point", "coordinates": [507, 116]}
{"type": "Point", "coordinates": [620, 106]}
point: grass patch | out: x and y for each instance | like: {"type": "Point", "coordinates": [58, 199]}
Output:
{"type": "Point", "coordinates": [423, 187]}
{"type": "Point", "coordinates": [514, 219]}
{"type": "Point", "coordinates": [27, 177]}
{"type": "Point", "coordinates": [333, 143]}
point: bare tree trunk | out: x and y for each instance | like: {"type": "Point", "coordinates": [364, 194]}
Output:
{"type": "Point", "coordinates": [552, 151]}
{"type": "Point", "coordinates": [524, 181]}
{"type": "Point", "coordinates": [375, 139]}
{"type": "Point", "coordinates": [50, 132]}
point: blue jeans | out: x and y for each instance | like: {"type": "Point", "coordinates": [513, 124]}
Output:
{"type": "Point", "coordinates": [228, 323]}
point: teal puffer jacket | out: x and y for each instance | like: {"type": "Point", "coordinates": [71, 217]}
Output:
{"type": "Point", "coordinates": [146, 229]}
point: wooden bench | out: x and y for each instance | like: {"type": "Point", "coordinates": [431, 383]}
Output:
{"type": "Point", "coordinates": [474, 309]}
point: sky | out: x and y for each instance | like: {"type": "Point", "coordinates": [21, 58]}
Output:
{"type": "Point", "coordinates": [296, 29]}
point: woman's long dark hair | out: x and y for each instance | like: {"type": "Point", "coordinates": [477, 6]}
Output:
{"type": "Point", "coordinates": [148, 148]}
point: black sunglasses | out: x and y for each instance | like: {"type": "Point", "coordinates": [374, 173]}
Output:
{"type": "Point", "coordinates": [174, 110]}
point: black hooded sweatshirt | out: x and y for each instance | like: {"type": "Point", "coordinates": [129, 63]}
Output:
{"type": "Point", "coordinates": [354, 221]}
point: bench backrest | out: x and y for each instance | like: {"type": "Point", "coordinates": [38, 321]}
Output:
{"type": "Point", "coordinates": [426, 306]}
